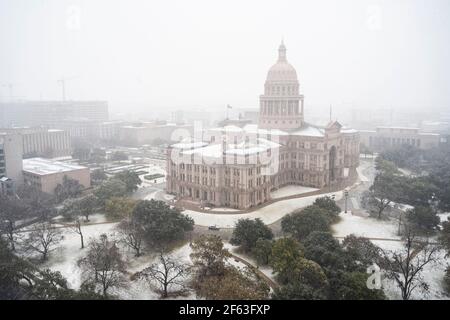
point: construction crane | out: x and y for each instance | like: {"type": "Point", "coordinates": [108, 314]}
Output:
{"type": "Point", "coordinates": [62, 81]}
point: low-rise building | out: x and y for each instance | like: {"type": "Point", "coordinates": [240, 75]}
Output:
{"type": "Point", "coordinates": [386, 137]}
{"type": "Point", "coordinates": [89, 129]}
{"type": "Point", "coordinates": [43, 142]}
{"type": "Point", "coordinates": [49, 113]}
{"type": "Point", "coordinates": [45, 174]}
{"type": "Point", "coordinates": [141, 133]}
{"type": "Point", "coordinates": [10, 160]}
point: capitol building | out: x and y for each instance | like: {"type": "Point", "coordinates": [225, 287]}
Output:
{"type": "Point", "coordinates": [238, 166]}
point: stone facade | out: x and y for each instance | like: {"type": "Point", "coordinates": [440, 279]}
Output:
{"type": "Point", "coordinates": [238, 166]}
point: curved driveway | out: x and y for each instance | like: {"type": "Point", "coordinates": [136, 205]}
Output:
{"type": "Point", "coordinates": [268, 214]}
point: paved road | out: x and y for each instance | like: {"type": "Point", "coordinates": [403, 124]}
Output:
{"type": "Point", "coordinates": [145, 192]}
{"type": "Point", "coordinates": [355, 194]}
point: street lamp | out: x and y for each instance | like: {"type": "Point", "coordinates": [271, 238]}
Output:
{"type": "Point", "coordinates": [345, 197]}
{"type": "Point", "coordinates": [434, 202]}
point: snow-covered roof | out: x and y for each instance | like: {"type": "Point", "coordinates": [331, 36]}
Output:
{"type": "Point", "coordinates": [428, 134]}
{"type": "Point", "coordinates": [309, 131]}
{"type": "Point", "coordinates": [349, 130]}
{"type": "Point", "coordinates": [249, 128]}
{"type": "Point", "coordinates": [253, 128]}
{"type": "Point", "coordinates": [228, 128]}
{"type": "Point", "coordinates": [210, 151]}
{"type": "Point", "coordinates": [189, 143]}
{"type": "Point", "coordinates": [215, 150]}
{"type": "Point", "coordinates": [42, 166]}
{"type": "Point", "coordinates": [247, 148]}
{"type": "Point", "coordinates": [367, 131]}
{"type": "Point", "coordinates": [402, 128]}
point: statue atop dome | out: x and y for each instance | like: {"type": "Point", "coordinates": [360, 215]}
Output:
{"type": "Point", "coordinates": [282, 52]}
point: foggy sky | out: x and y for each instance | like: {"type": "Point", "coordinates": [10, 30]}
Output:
{"type": "Point", "coordinates": [189, 53]}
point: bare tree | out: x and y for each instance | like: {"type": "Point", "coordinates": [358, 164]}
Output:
{"type": "Point", "coordinates": [405, 267]}
{"type": "Point", "coordinates": [12, 210]}
{"type": "Point", "coordinates": [166, 274]}
{"type": "Point", "coordinates": [76, 228]}
{"type": "Point", "coordinates": [71, 211]}
{"type": "Point", "coordinates": [132, 235]}
{"type": "Point", "coordinates": [43, 239]}
{"type": "Point", "coordinates": [103, 264]}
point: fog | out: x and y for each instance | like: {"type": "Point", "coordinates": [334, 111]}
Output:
{"type": "Point", "coordinates": [153, 56]}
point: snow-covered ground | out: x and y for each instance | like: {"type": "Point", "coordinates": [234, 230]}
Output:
{"type": "Point", "coordinates": [433, 275]}
{"type": "Point", "coordinates": [267, 270]}
{"type": "Point", "coordinates": [139, 289]}
{"type": "Point", "coordinates": [152, 169]}
{"type": "Point", "coordinates": [364, 227]}
{"type": "Point", "coordinates": [369, 227]}
{"type": "Point", "coordinates": [223, 210]}
{"type": "Point", "coordinates": [362, 177]}
{"type": "Point", "coordinates": [152, 195]}
{"type": "Point", "coordinates": [444, 216]}
{"type": "Point", "coordinates": [64, 258]}
{"type": "Point", "coordinates": [290, 191]}
{"type": "Point", "coordinates": [268, 214]}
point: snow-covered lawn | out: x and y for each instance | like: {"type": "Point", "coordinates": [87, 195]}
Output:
{"type": "Point", "coordinates": [444, 216]}
{"type": "Point", "coordinates": [64, 258]}
{"type": "Point", "coordinates": [268, 214]}
{"type": "Point", "coordinates": [433, 275]}
{"type": "Point", "coordinates": [152, 169]}
{"type": "Point", "coordinates": [368, 227]}
{"type": "Point", "coordinates": [267, 270]}
{"type": "Point", "coordinates": [364, 227]}
{"type": "Point", "coordinates": [290, 191]}
{"type": "Point", "coordinates": [139, 289]}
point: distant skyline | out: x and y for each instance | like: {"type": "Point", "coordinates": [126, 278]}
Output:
{"type": "Point", "coordinates": [181, 54]}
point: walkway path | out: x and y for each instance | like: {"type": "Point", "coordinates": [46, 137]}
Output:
{"type": "Point", "coordinates": [272, 284]}
{"type": "Point", "coordinates": [268, 214]}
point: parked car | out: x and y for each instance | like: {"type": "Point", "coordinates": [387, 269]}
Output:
{"type": "Point", "coordinates": [215, 228]}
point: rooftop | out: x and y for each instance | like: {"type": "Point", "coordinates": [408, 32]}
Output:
{"type": "Point", "coordinates": [309, 131]}
{"type": "Point", "coordinates": [42, 166]}
{"type": "Point", "coordinates": [215, 150]}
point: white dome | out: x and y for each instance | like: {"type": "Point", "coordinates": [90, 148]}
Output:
{"type": "Point", "coordinates": [282, 70]}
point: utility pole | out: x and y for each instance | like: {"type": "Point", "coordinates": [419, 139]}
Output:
{"type": "Point", "coordinates": [399, 223]}
{"type": "Point", "coordinates": [62, 81]}
{"type": "Point", "coordinates": [228, 108]}
{"type": "Point", "coordinates": [346, 197]}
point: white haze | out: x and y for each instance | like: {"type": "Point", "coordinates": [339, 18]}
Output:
{"type": "Point", "coordinates": [192, 53]}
